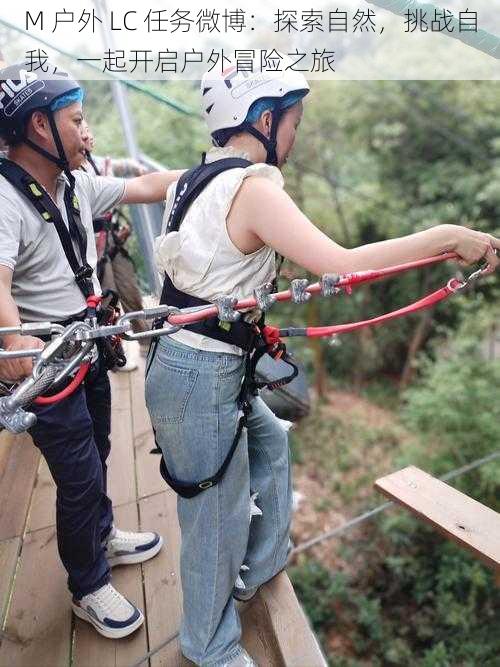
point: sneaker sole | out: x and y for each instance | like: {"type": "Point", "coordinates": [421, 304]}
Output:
{"type": "Point", "coordinates": [138, 557]}
{"type": "Point", "coordinates": [109, 633]}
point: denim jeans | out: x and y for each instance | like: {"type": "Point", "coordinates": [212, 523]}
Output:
{"type": "Point", "coordinates": [191, 396]}
{"type": "Point", "coordinates": [73, 436]}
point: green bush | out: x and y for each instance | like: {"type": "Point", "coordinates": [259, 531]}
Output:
{"type": "Point", "coordinates": [455, 404]}
{"type": "Point", "coordinates": [413, 597]}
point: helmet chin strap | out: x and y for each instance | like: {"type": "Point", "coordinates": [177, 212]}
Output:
{"type": "Point", "coordinates": [60, 160]}
{"type": "Point", "coordinates": [269, 143]}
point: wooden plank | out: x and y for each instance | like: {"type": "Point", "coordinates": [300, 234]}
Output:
{"type": "Point", "coordinates": [457, 516]}
{"type": "Point", "coordinates": [162, 579]}
{"type": "Point", "coordinates": [164, 604]}
{"type": "Point", "coordinates": [288, 624]}
{"type": "Point", "coordinates": [19, 460]}
{"type": "Point", "coordinates": [9, 551]}
{"type": "Point", "coordinates": [38, 628]}
{"type": "Point", "coordinates": [258, 638]}
{"type": "Point", "coordinates": [91, 649]}
{"type": "Point", "coordinates": [43, 503]}
{"type": "Point", "coordinates": [149, 480]}
{"type": "Point", "coordinates": [121, 464]}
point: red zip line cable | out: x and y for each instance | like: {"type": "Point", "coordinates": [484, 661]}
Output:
{"type": "Point", "coordinates": [93, 302]}
{"type": "Point", "coordinates": [346, 281]}
{"type": "Point", "coordinates": [68, 390]}
{"type": "Point", "coordinates": [272, 333]}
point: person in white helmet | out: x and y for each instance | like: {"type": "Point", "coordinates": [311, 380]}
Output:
{"type": "Point", "coordinates": [234, 483]}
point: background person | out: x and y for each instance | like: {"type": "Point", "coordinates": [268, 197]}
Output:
{"type": "Point", "coordinates": [115, 267]}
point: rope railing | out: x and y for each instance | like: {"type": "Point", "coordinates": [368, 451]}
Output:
{"type": "Point", "coordinates": [361, 518]}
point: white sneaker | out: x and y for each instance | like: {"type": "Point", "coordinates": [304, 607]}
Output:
{"type": "Point", "coordinates": [111, 614]}
{"type": "Point", "coordinates": [242, 660]}
{"type": "Point", "coordinates": [131, 349]}
{"type": "Point", "coordinates": [124, 548]}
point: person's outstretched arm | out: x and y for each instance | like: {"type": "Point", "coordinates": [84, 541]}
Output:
{"type": "Point", "coordinates": [262, 213]}
{"type": "Point", "coordinates": [150, 188]}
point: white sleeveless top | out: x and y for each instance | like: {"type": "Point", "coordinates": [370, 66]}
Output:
{"type": "Point", "coordinates": [201, 259]}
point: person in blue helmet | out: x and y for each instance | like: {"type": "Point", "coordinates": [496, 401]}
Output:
{"type": "Point", "coordinates": [47, 272]}
{"type": "Point", "coordinates": [225, 223]}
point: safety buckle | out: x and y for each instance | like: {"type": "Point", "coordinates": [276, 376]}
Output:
{"type": "Point", "coordinates": [226, 307]}
{"type": "Point", "coordinates": [205, 485]}
{"type": "Point", "coordinates": [84, 272]}
{"type": "Point", "coordinates": [264, 296]}
{"type": "Point", "coordinates": [299, 293]}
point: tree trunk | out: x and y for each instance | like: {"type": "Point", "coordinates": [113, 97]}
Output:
{"type": "Point", "coordinates": [417, 341]}
{"type": "Point", "coordinates": [320, 377]}
{"type": "Point", "coordinates": [414, 348]}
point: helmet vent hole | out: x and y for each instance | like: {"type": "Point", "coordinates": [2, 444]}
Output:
{"type": "Point", "coordinates": [209, 109]}
{"type": "Point", "coordinates": [205, 90]}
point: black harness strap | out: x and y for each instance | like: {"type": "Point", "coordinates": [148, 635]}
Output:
{"type": "Point", "coordinates": [245, 335]}
{"type": "Point", "coordinates": [36, 194]}
{"type": "Point", "coordinates": [188, 188]}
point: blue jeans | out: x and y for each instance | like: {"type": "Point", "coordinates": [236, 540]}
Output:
{"type": "Point", "coordinates": [191, 396]}
{"type": "Point", "coordinates": [73, 436]}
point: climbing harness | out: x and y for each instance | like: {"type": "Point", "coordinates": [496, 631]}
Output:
{"type": "Point", "coordinates": [226, 325]}
{"type": "Point", "coordinates": [36, 194]}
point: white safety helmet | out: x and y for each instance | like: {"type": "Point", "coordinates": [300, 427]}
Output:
{"type": "Point", "coordinates": [228, 96]}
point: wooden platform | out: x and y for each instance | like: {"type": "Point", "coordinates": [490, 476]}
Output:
{"type": "Point", "coordinates": [38, 628]}
{"type": "Point", "coordinates": [461, 518]}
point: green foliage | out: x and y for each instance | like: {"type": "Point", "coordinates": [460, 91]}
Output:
{"type": "Point", "coordinates": [167, 136]}
{"type": "Point", "coordinates": [425, 603]}
{"type": "Point", "coordinates": [411, 597]}
{"type": "Point", "coordinates": [455, 403]}
{"type": "Point", "coordinates": [398, 157]}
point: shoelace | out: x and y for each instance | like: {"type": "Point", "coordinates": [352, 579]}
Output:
{"type": "Point", "coordinates": [124, 536]}
{"type": "Point", "coordinates": [110, 599]}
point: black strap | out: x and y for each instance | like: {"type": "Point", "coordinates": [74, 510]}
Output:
{"type": "Point", "coordinates": [43, 203]}
{"type": "Point", "coordinates": [192, 489]}
{"type": "Point", "coordinates": [189, 186]}
{"type": "Point", "coordinates": [249, 387]}
{"type": "Point", "coordinates": [240, 333]}
{"type": "Point", "coordinates": [192, 182]}
{"type": "Point", "coordinates": [92, 163]}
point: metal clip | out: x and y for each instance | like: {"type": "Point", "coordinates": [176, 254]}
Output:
{"type": "Point", "coordinates": [225, 306]}
{"type": "Point", "coordinates": [162, 311]}
{"type": "Point", "coordinates": [29, 329]}
{"type": "Point", "coordinates": [264, 296]}
{"type": "Point", "coordinates": [329, 282]}
{"type": "Point", "coordinates": [16, 421]}
{"type": "Point", "coordinates": [298, 288]}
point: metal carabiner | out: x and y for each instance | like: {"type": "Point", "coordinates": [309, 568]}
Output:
{"type": "Point", "coordinates": [162, 311]}
{"type": "Point", "coordinates": [51, 350]}
{"type": "Point", "coordinates": [29, 329]}
{"type": "Point", "coordinates": [460, 285]}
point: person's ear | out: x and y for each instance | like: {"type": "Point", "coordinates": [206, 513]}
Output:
{"type": "Point", "coordinates": [267, 121]}
{"type": "Point", "coordinates": [39, 125]}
